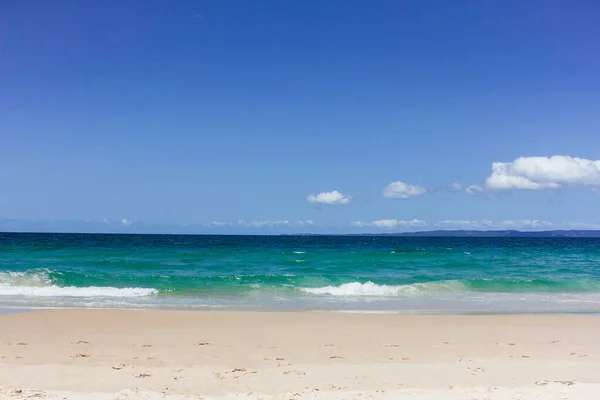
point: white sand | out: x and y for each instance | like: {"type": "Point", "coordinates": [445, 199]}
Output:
{"type": "Point", "coordinates": [84, 354]}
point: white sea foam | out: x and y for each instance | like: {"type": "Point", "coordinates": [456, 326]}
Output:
{"type": "Point", "coordinates": [39, 283]}
{"type": "Point", "coordinates": [373, 289]}
{"type": "Point", "coordinates": [72, 291]}
{"type": "Point", "coordinates": [299, 252]}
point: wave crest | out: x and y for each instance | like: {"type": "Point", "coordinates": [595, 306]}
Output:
{"type": "Point", "coordinates": [39, 282]}
{"type": "Point", "coordinates": [33, 277]}
{"type": "Point", "coordinates": [373, 289]}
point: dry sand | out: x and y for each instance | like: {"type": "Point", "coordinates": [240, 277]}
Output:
{"type": "Point", "coordinates": [85, 354]}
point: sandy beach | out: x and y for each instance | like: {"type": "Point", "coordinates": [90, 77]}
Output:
{"type": "Point", "coordinates": [77, 354]}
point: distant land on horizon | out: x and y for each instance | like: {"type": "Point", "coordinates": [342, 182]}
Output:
{"type": "Point", "coordinates": [435, 233]}
{"type": "Point", "coordinates": [490, 233]}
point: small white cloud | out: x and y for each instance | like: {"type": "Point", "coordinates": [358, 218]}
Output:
{"type": "Point", "coordinates": [401, 190]}
{"type": "Point", "coordinates": [389, 223]}
{"type": "Point", "coordinates": [259, 224]}
{"type": "Point", "coordinates": [412, 223]}
{"type": "Point", "coordinates": [333, 197]}
{"type": "Point", "coordinates": [359, 224]}
{"type": "Point", "coordinates": [456, 186]}
{"type": "Point", "coordinates": [465, 224]}
{"type": "Point", "coordinates": [386, 223]}
{"type": "Point", "coordinates": [125, 222]}
{"type": "Point", "coordinates": [105, 221]}
{"type": "Point", "coordinates": [527, 224]}
{"type": "Point", "coordinates": [536, 173]}
{"type": "Point", "coordinates": [272, 223]}
{"type": "Point", "coordinates": [220, 223]}
{"type": "Point", "coordinates": [475, 190]}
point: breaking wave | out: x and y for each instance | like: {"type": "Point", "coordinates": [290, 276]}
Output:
{"type": "Point", "coordinates": [373, 289]}
{"type": "Point", "coordinates": [40, 283]}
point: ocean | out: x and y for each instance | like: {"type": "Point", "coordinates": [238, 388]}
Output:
{"type": "Point", "coordinates": [369, 274]}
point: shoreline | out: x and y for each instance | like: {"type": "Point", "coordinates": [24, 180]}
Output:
{"type": "Point", "coordinates": [224, 309]}
{"type": "Point", "coordinates": [302, 355]}
{"type": "Point", "coordinates": [399, 313]}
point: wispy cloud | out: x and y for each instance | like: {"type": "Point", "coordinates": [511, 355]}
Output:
{"type": "Point", "coordinates": [521, 224]}
{"type": "Point", "coordinates": [474, 190]}
{"type": "Point", "coordinates": [220, 223]}
{"type": "Point", "coordinates": [289, 226]}
{"type": "Point", "coordinates": [390, 224]}
{"type": "Point", "coordinates": [272, 223]}
{"type": "Point", "coordinates": [401, 190]}
{"type": "Point", "coordinates": [464, 224]}
{"type": "Point", "coordinates": [532, 224]}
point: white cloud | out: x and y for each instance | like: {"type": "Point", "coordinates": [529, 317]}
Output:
{"type": "Point", "coordinates": [527, 224]}
{"type": "Point", "coordinates": [125, 222]}
{"type": "Point", "coordinates": [386, 223]}
{"type": "Point", "coordinates": [475, 190]}
{"type": "Point", "coordinates": [535, 173]}
{"type": "Point", "coordinates": [456, 186]}
{"type": "Point", "coordinates": [359, 224]}
{"type": "Point", "coordinates": [465, 224]}
{"type": "Point", "coordinates": [390, 223]}
{"type": "Point", "coordinates": [272, 223]}
{"type": "Point", "coordinates": [333, 197]}
{"type": "Point", "coordinates": [401, 190]}
{"type": "Point", "coordinates": [220, 223]}
{"type": "Point", "coordinates": [257, 224]}
{"type": "Point", "coordinates": [522, 224]}
{"type": "Point", "coordinates": [412, 222]}
{"type": "Point", "coordinates": [261, 224]}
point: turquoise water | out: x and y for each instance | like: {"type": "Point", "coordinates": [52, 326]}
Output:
{"type": "Point", "coordinates": [335, 273]}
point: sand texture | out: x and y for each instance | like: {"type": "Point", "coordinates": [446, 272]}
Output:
{"type": "Point", "coordinates": [86, 354]}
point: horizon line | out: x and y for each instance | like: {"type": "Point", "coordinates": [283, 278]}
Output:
{"type": "Point", "coordinates": [406, 234]}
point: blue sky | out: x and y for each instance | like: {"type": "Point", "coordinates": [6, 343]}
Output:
{"type": "Point", "coordinates": [226, 116]}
